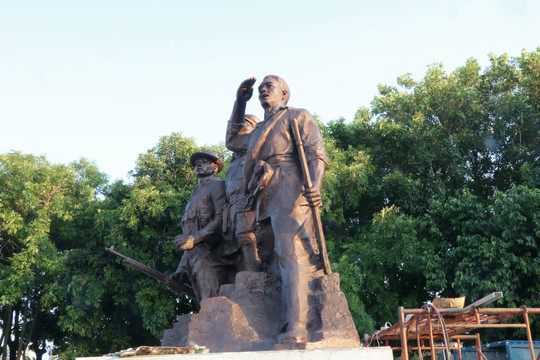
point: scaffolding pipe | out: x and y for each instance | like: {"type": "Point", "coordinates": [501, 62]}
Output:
{"type": "Point", "coordinates": [404, 350]}
{"type": "Point", "coordinates": [479, 346]}
{"type": "Point", "coordinates": [430, 327]}
{"type": "Point", "coordinates": [529, 336]}
{"type": "Point", "coordinates": [464, 319]}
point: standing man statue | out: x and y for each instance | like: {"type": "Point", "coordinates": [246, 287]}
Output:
{"type": "Point", "coordinates": [201, 227]}
{"type": "Point", "coordinates": [239, 218]}
{"type": "Point", "coordinates": [274, 181]}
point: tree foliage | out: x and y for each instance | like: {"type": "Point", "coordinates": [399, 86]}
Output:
{"type": "Point", "coordinates": [434, 190]}
{"type": "Point", "coordinates": [36, 196]}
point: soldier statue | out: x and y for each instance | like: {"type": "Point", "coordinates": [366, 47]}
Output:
{"type": "Point", "coordinates": [201, 264]}
{"type": "Point", "coordinates": [239, 218]}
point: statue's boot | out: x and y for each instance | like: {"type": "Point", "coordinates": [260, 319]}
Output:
{"type": "Point", "coordinates": [298, 334]}
{"type": "Point", "coordinates": [252, 262]}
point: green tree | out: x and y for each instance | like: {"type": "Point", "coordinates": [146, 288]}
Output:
{"type": "Point", "coordinates": [35, 196]}
{"type": "Point", "coordinates": [448, 198]}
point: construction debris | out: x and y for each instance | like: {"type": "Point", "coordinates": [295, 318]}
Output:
{"type": "Point", "coordinates": [160, 350]}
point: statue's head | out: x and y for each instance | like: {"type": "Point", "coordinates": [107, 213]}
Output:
{"type": "Point", "coordinates": [273, 91]}
{"type": "Point", "coordinates": [206, 163]}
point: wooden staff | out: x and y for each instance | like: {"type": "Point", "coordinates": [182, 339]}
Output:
{"type": "Point", "coordinates": [315, 209]}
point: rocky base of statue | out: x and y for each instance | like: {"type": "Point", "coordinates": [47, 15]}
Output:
{"type": "Point", "coordinates": [246, 317]}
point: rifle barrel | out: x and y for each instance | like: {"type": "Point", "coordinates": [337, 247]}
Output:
{"type": "Point", "coordinates": [159, 276]}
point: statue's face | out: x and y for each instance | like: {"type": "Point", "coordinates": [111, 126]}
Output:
{"type": "Point", "coordinates": [204, 167]}
{"type": "Point", "coordinates": [270, 93]}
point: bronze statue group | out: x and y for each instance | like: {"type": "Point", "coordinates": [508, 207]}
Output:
{"type": "Point", "coordinates": [261, 218]}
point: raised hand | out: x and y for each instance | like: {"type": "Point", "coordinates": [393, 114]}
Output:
{"type": "Point", "coordinates": [245, 90]}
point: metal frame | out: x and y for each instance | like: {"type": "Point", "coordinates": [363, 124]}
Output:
{"type": "Point", "coordinates": [430, 323]}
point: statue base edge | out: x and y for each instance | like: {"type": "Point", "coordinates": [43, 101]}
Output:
{"type": "Point", "coordinates": [360, 353]}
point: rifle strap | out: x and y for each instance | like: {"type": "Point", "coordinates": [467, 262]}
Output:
{"type": "Point", "coordinates": [253, 153]}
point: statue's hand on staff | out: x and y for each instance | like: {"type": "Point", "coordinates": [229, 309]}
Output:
{"type": "Point", "coordinates": [313, 196]}
{"type": "Point", "coordinates": [245, 90]}
{"type": "Point", "coordinates": [184, 242]}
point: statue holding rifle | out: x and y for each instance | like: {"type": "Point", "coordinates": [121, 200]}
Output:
{"type": "Point", "coordinates": [201, 263]}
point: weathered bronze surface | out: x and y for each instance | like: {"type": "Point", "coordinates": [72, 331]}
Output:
{"type": "Point", "coordinates": [201, 264]}
{"type": "Point", "coordinates": [274, 180]}
{"type": "Point", "coordinates": [283, 294]}
{"type": "Point", "coordinates": [239, 217]}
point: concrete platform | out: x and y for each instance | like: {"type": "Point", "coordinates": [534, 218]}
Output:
{"type": "Point", "coordinates": [362, 353]}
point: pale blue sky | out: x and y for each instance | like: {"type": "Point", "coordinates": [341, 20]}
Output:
{"type": "Point", "coordinates": [105, 80]}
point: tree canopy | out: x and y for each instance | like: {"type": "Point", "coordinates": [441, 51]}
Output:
{"type": "Point", "coordinates": [432, 191]}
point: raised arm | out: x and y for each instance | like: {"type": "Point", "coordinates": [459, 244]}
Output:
{"type": "Point", "coordinates": [234, 139]}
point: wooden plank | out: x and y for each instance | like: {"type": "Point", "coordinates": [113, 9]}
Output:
{"type": "Point", "coordinates": [494, 296]}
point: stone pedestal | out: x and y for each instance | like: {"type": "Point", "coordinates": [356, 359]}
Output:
{"type": "Point", "coordinates": [374, 353]}
{"type": "Point", "coordinates": [247, 317]}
